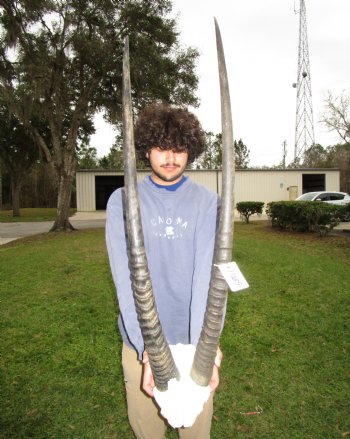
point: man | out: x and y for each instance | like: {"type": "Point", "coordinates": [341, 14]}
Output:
{"type": "Point", "coordinates": [179, 220]}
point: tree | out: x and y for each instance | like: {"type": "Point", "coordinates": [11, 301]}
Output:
{"type": "Point", "coordinates": [337, 115]}
{"type": "Point", "coordinates": [339, 157]}
{"type": "Point", "coordinates": [87, 157]}
{"type": "Point", "coordinates": [316, 157]}
{"type": "Point", "coordinates": [0, 186]}
{"type": "Point", "coordinates": [211, 158]}
{"type": "Point", "coordinates": [337, 118]}
{"type": "Point", "coordinates": [248, 208]}
{"type": "Point", "coordinates": [18, 153]}
{"type": "Point", "coordinates": [242, 155]}
{"type": "Point", "coordinates": [114, 159]}
{"type": "Point", "coordinates": [62, 61]}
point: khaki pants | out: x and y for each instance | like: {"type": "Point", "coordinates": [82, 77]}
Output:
{"type": "Point", "coordinates": [143, 412]}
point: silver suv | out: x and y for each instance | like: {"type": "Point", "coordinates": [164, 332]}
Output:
{"type": "Point", "coordinates": [328, 196]}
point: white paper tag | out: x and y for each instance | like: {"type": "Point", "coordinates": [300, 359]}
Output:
{"type": "Point", "coordinates": [233, 276]}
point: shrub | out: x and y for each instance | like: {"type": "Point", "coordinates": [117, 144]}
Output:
{"type": "Point", "coordinates": [304, 216]}
{"type": "Point", "coordinates": [248, 208]}
{"type": "Point", "coordinates": [345, 215]}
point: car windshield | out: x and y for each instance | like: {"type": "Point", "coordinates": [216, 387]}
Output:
{"type": "Point", "coordinates": [307, 197]}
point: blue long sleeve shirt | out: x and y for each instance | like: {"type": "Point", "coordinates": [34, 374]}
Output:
{"type": "Point", "coordinates": [179, 234]}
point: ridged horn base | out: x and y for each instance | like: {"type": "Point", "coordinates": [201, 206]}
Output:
{"type": "Point", "coordinates": [206, 350]}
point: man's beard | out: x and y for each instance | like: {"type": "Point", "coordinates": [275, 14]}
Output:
{"type": "Point", "coordinates": [168, 179]}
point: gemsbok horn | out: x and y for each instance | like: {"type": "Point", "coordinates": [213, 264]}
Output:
{"type": "Point", "coordinates": [160, 357]}
{"type": "Point", "coordinates": [204, 358]}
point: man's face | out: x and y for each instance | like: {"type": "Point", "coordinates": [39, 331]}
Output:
{"type": "Point", "coordinates": [167, 165]}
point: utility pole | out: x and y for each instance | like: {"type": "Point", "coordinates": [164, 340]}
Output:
{"type": "Point", "coordinates": [304, 124]}
{"type": "Point", "coordinates": [284, 144]}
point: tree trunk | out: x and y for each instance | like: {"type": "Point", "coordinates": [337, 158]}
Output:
{"type": "Point", "coordinates": [0, 188]}
{"type": "Point", "coordinates": [65, 183]}
{"type": "Point", "coordinates": [15, 189]}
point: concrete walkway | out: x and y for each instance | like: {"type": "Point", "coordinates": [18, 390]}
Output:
{"type": "Point", "coordinates": [81, 220]}
{"type": "Point", "coordinates": [87, 220]}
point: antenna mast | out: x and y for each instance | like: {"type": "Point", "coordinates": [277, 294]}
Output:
{"type": "Point", "coordinates": [304, 124]}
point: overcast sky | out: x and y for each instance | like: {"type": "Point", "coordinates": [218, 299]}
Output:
{"type": "Point", "coordinates": [260, 40]}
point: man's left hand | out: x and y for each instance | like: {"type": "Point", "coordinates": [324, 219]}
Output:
{"type": "Point", "coordinates": [214, 380]}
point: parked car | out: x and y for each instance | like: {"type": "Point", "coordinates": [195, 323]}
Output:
{"type": "Point", "coordinates": [328, 196]}
{"type": "Point", "coordinates": [331, 197]}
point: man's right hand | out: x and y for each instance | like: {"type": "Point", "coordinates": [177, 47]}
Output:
{"type": "Point", "coordinates": [147, 377]}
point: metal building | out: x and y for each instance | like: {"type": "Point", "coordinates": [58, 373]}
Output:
{"type": "Point", "coordinates": [93, 187]}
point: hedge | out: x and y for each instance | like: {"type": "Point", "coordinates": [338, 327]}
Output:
{"type": "Point", "coordinates": [304, 216]}
{"type": "Point", "coordinates": [346, 212]}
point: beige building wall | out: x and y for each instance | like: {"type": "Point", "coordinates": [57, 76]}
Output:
{"type": "Point", "coordinates": [277, 185]}
{"type": "Point", "coordinates": [86, 189]}
{"type": "Point", "coordinates": [250, 184]}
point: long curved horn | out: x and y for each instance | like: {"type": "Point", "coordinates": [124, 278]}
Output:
{"type": "Point", "coordinates": [160, 357]}
{"type": "Point", "coordinates": [203, 362]}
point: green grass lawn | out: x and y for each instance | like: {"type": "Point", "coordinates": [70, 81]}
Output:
{"type": "Point", "coordinates": [286, 339]}
{"type": "Point", "coordinates": [31, 214]}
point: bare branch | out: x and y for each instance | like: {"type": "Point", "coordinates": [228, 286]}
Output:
{"type": "Point", "coordinates": [337, 115]}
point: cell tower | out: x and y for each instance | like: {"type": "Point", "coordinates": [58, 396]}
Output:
{"type": "Point", "coordinates": [304, 124]}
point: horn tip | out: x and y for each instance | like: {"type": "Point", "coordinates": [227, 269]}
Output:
{"type": "Point", "coordinates": [217, 29]}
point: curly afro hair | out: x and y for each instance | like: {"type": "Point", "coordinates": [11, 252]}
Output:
{"type": "Point", "coordinates": [160, 125]}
